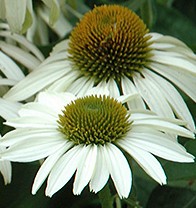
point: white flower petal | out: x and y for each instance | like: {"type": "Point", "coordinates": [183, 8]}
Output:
{"type": "Point", "coordinates": [55, 101]}
{"type": "Point", "coordinates": [113, 88]}
{"type": "Point", "coordinates": [183, 79]}
{"type": "Point", "coordinates": [119, 169]}
{"type": "Point", "coordinates": [34, 148]}
{"type": "Point", "coordinates": [173, 97]}
{"type": "Point", "coordinates": [64, 170]}
{"type": "Point", "coordinates": [15, 14]}
{"type": "Point", "coordinates": [129, 88]}
{"type": "Point", "coordinates": [147, 161]}
{"type": "Point", "coordinates": [101, 174]}
{"type": "Point", "coordinates": [36, 81]}
{"type": "Point", "coordinates": [9, 68]}
{"type": "Point", "coordinates": [8, 109]}
{"type": "Point", "coordinates": [85, 168]}
{"type": "Point", "coordinates": [47, 166]}
{"type": "Point", "coordinates": [164, 125]}
{"type": "Point", "coordinates": [153, 97]}
{"type": "Point", "coordinates": [161, 145]}
{"type": "Point", "coordinates": [6, 171]}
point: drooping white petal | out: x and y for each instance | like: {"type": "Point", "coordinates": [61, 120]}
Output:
{"type": "Point", "coordinates": [153, 96]}
{"type": "Point", "coordinates": [161, 145]}
{"type": "Point", "coordinates": [47, 166]}
{"type": "Point", "coordinates": [64, 169]}
{"type": "Point", "coordinates": [164, 125]}
{"type": "Point", "coordinates": [147, 161]}
{"type": "Point", "coordinates": [119, 170]}
{"type": "Point", "coordinates": [20, 55]}
{"type": "Point", "coordinates": [85, 168]}
{"type": "Point", "coordinates": [129, 88]}
{"type": "Point", "coordinates": [76, 86]}
{"type": "Point", "coordinates": [8, 109]}
{"type": "Point", "coordinates": [36, 81]}
{"type": "Point", "coordinates": [22, 135]}
{"type": "Point", "coordinates": [113, 88]}
{"type": "Point", "coordinates": [183, 79]}
{"type": "Point", "coordinates": [55, 101]}
{"type": "Point", "coordinates": [6, 171]}
{"type": "Point", "coordinates": [101, 174]}
{"type": "Point", "coordinates": [173, 97]}
{"type": "Point", "coordinates": [33, 122]}
{"type": "Point", "coordinates": [34, 148]}
{"type": "Point", "coordinates": [15, 14]}
{"type": "Point", "coordinates": [171, 60]}
{"type": "Point", "coordinates": [9, 68]}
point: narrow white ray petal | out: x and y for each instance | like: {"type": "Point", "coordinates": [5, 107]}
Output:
{"type": "Point", "coordinates": [8, 109]}
{"type": "Point", "coordinates": [36, 81]}
{"type": "Point", "coordinates": [9, 68]}
{"type": "Point", "coordinates": [33, 149]}
{"type": "Point", "coordinates": [128, 87]}
{"type": "Point", "coordinates": [164, 125]}
{"type": "Point", "coordinates": [37, 110]}
{"type": "Point", "coordinates": [87, 86]}
{"type": "Point", "coordinates": [135, 115]}
{"type": "Point", "coordinates": [7, 82]}
{"type": "Point", "coordinates": [153, 96]}
{"type": "Point", "coordinates": [100, 89]}
{"type": "Point", "coordinates": [63, 83]}
{"type": "Point", "coordinates": [161, 145]}
{"type": "Point", "coordinates": [33, 122]}
{"type": "Point", "coordinates": [154, 36]}
{"type": "Point", "coordinates": [173, 97]}
{"type": "Point", "coordinates": [119, 170]}
{"type": "Point", "coordinates": [85, 168]}
{"type": "Point", "coordinates": [47, 166]}
{"type": "Point", "coordinates": [24, 42]}
{"type": "Point", "coordinates": [15, 14]}
{"type": "Point", "coordinates": [56, 101]}
{"type": "Point", "coordinates": [76, 86]}
{"type": "Point", "coordinates": [183, 79]}
{"type": "Point", "coordinates": [20, 55]}
{"type": "Point", "coordinates": [6, 171]}
{"type": "Point", "coordinates": [23, 135]}
{"type": "Point", "coordinates": [113, 88]}
{"type": "Point", "coordinates": [147, 161]}
{"type": "Point", "coordinates": [170, 40]}
{"type": "Point", "coordinates": [64, 170]}
{"type": "Point", "coordinates": [101, 174]}
{"type": "Point", "coordinates": [128, 97]}
{"type": "Point", "coordinates": [173, 61]}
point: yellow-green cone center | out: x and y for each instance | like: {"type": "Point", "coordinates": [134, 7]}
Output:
{"type": "Point", "coordinates": [94, 120]}
{"type": "Point", "coordinates": [109, 42]}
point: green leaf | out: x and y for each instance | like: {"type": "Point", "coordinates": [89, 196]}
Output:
{"type": "Point", "coordinates": [171, 22]}
{"type": "Point", "coordinates": [167, 197]}
{"type": "Point", "coordinates": [148, 13]}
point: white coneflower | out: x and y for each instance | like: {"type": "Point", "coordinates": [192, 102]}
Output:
{"type": "Point", "coordinates": [85, 136]}
{"type": "Point", "coordinates": [112, 44]}
{"type": "Point", "coordinates": [17, 55]}
{"type": "Point", "coordinates": [35, 18]}
{"type": "Point", "coordinates": [5, 167]}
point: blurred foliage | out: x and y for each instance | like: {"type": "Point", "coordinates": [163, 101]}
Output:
{"type": "Point", "coordinates": [169, 17]}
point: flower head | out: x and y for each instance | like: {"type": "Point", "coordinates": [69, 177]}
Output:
{"type": "Point", "coordinates": [111, 44]}
{"type": "Point", "coordinates": [84, 136]}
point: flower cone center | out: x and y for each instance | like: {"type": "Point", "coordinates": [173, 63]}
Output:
{"type": "Point", "coordinates": [94, 120]}
{"type": "Point", "coordinates": [109, 42]}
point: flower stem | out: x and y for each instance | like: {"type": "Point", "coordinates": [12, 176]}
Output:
{"type": "Point", "coordinates": [105, 197]}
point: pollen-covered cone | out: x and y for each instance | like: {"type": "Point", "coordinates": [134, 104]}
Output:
{"type": "Point", "coordinates": [112, 44]}
{"type": "Point", "coordinates": [84, 136]}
